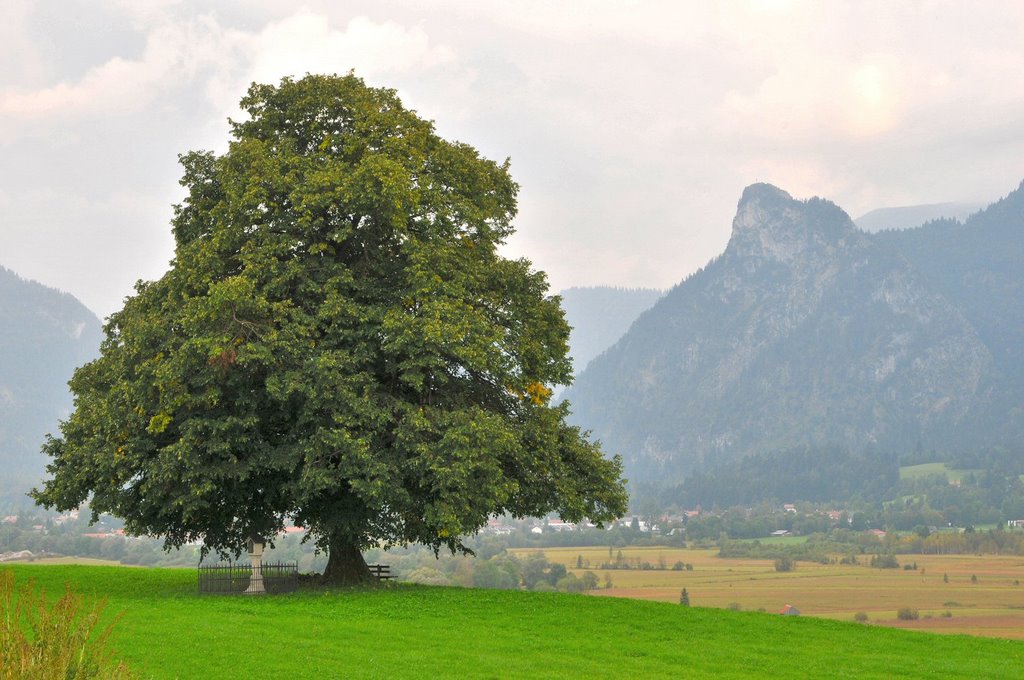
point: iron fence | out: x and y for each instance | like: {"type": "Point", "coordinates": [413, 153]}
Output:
{"type": "Point", "coordinates": [272, 578]}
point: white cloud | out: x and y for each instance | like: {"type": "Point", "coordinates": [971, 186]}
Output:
{"type": "Point", "coordinates": [227, 60]}
{"type": "Point", "coordinates": [173, 54]}
{"type": "Point", "coordinates": [632, 126]}
{"type": "Point", "coordinates": [21, 60]}
{"type": "Point", "coordinates": [306, 42]}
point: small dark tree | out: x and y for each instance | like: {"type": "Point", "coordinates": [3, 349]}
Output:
{"type": "Point", "coordinates": [555, 573]}
{"type": "Point", "coordinates": [684, 598]}
{"type": "Point", "coordinates": [885, 561]}
{"type": "Point", "coordinates": [907, 614]}
{"type": "Point", "coordinates": [338, 341]}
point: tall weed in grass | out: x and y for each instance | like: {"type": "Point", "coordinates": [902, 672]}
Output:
{"type": "Point", "coordinates": [51, 642]}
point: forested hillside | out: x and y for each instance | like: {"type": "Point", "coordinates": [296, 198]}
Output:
{"type": "Point", "coordinates": [44, 336]}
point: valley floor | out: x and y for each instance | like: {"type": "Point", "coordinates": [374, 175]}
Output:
{"type": "Point", "coordinates": [941, 589]}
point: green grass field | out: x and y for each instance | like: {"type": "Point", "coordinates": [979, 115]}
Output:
{"type": "Point", "coordinates": [777, 540]}
{"type": "Point", "coordinates": [168, 631]}
{"type": "Point", "coordinates": [925, 469]}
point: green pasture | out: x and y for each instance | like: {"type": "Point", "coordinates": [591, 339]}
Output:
{"type": "Point", "coordinates": [168, 631]}
{"type": "Point", "coordinates": [925, 469]}
{"type": "Point", "coordinates": [777, 540]}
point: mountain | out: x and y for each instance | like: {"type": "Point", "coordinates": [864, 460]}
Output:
{"type": "Point", "coordinates": [908, 216]}
{"type": "Point", "coordinates": [600, 315]}
{"type": "Point", "coordinates": [44, 336]}
{"type": "Point", "coordinates": [979, 265]}
{"type": "Point", "coordinates": [807, 331]}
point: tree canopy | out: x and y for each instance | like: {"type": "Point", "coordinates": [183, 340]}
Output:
{"type": "Point", "coordinates": [337, 342]}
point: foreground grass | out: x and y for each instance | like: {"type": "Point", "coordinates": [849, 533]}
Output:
{"type": "Point", "coordinates": [168, 631]}
{"type": "Point", "coordinates": [40, 639]}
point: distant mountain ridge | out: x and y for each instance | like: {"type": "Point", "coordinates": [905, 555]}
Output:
{"type": "Point", "coordinates": [910, 216]}
{"type": "Point", "coordinates": [600, 315]}
{"type": "Point", "coordinates": [808, 331]}
{"type": "Point", "coordinates": [44, 335]}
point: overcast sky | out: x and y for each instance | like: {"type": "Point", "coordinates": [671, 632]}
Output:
{"type": "Point", "coordinates": [632, 126]}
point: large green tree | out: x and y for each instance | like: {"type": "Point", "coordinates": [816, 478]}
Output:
{"type": "Point", "coordinates": [338, 342]}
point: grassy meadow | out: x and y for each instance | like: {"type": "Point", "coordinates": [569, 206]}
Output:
{"type": "Point", "coordinates": [992, 606]}
{"type": "Point", "coordinates": [926, 469]}
{"type": "Point", "coordinates": [168, 631]}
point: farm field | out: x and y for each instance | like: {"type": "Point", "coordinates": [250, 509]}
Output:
{"type": "Point", "coordinates": [169, 631]}
{"type": "Point", "coordinates": [925, 469]}
{"type": "Point", "coordinates": [993, 606]}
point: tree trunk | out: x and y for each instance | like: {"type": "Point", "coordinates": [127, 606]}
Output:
{"type": "Point", "coordinates": [345, 564]}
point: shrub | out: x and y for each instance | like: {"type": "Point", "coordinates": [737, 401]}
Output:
{"type": "Point", "coordinates": [589, 580]}
{"type": "Point", "coordinates": [885, 561]}
{"type": "Point", "coordinates": [734, 606]}
{"type": "Point", "coordinates": [947, 614]}
{"type": "Point", "coordinates": [860, 617]}
{"type": "Point", "coordinates": [38, 640]}
{"type": "Point", "coordinates": [784, 563]}
{"type": "Point", "coordinates": [428, 576]}
{"type": "Point", "coordinates": [570, 583]}
{"type": "Point", "coordinates": [908, 614]}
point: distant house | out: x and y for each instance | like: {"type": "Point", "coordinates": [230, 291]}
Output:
{"type": "Point", "coordinates": [497, 527]}
{"type": "Point", "coordinates": [559, 525]}
{"type": "Point", "coordinates": [782, 532]}
{"type": "Point", "coordinates": [789, 507]}
{"type": "Point", "coordinates": [1015, 523]}
{"type": "Point", "coordinates": [877, 533]}
{"type": "Point", "coordinates": [68, 517]}
{"type": "Point", "coordinates": [790, 610]}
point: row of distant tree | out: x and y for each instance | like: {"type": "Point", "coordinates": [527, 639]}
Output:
{"type": "Point", "coordinates": [866, 484]}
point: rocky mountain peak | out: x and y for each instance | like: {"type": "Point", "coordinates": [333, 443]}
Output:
{"type": "Point", "coordinates": [808, 331]}
{"type": "Point", "coordinates": [772, 225]}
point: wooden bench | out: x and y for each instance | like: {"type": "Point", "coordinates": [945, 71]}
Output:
{"type": "Point", "coordinates": [381, 571]}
